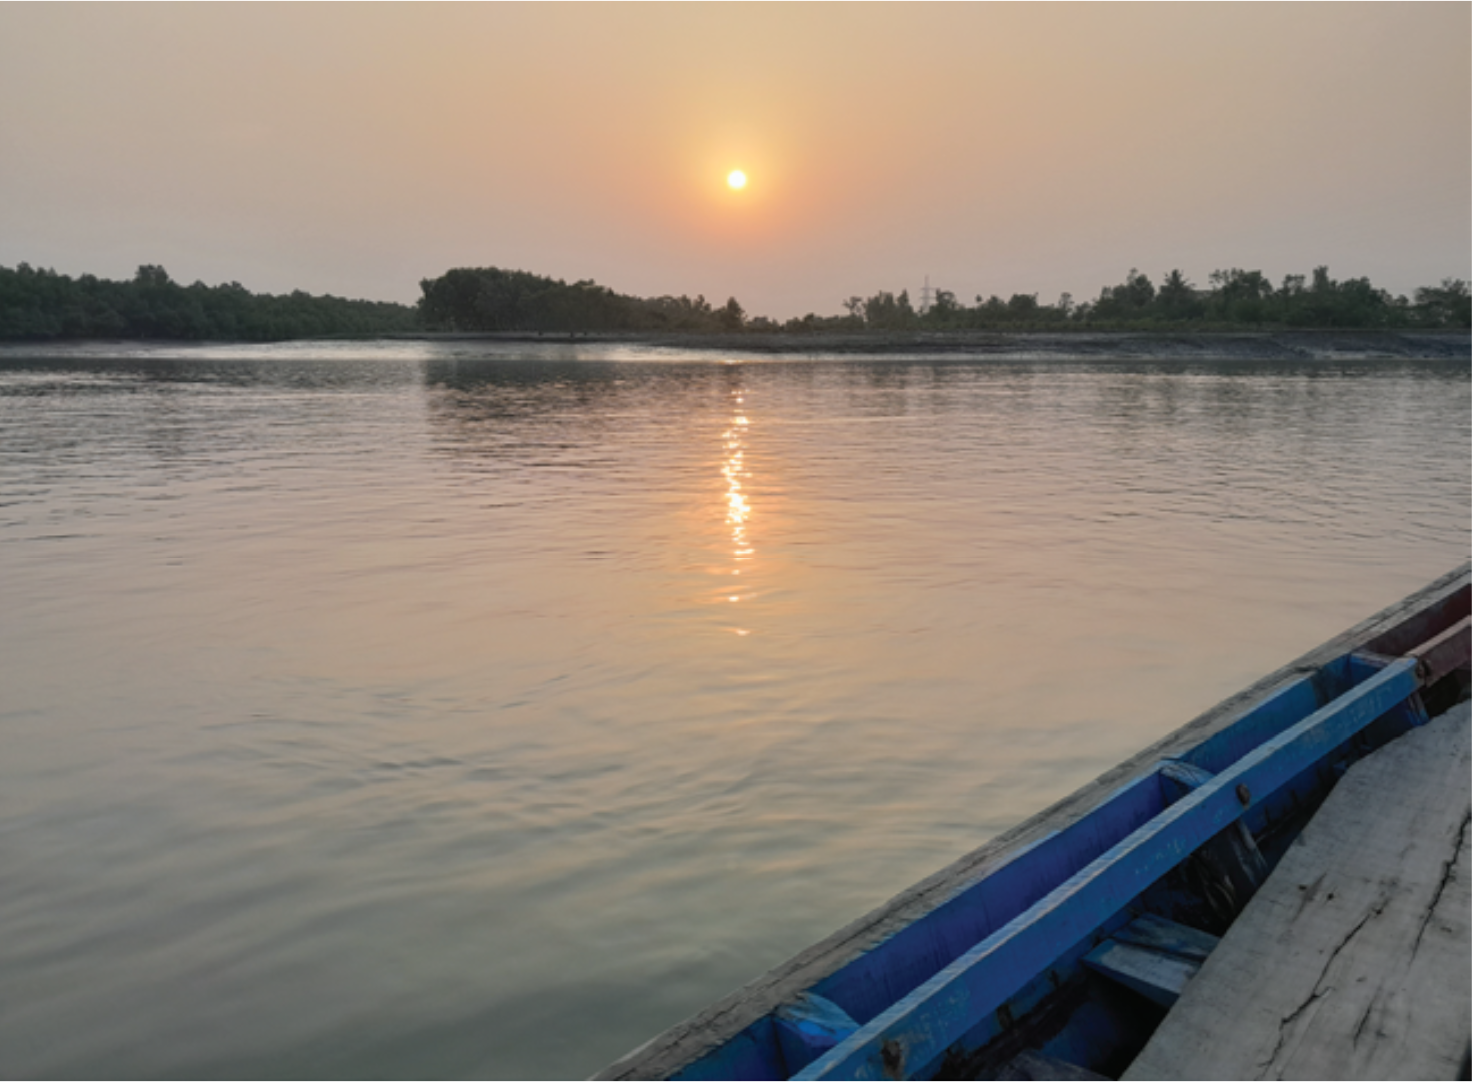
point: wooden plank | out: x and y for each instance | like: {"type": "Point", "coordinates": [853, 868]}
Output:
{"type": "Point", "coordinates": [922, 1025]}
{"type": "Point", "coordinates": [1354, 960]}
{"type": "Point", "coordinates": [1152, 956]}
{"type": "Point", "coordinates": [1285, 706]}
{"type": "Point", "coordinates": [1427, 622]}
{"type": "Point", "coordinates": [1450, 650]}
{"type": "Point", "coordinates": [1160, 978]}
{"type": "Point", "coordinates": [1167, 937]}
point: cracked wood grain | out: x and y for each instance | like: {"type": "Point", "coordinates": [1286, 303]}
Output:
{"type": "Point", "coordinates": [1446, 877]}
{"type": "Point", "coordinates": [1319, 990]}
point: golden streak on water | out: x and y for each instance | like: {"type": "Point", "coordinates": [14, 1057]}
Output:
{"type": "Point", "coordinates": [738, 507]}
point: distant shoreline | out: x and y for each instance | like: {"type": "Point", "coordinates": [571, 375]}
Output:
{"type": "Point", "coordinates": [1280, 345]}
{"type": "Point", "coordinates": [1244, 345]}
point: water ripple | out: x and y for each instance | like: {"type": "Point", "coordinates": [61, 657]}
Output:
{"type": "Point", "coordinates": [403, 708]}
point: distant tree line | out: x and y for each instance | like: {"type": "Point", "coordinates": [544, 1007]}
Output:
{"type": "Point", "coordinates": [491, 299]}
{"type": "Point", "coordinates": [1233, 298]}
{"type": "Point", "coordinates": [41, 304]}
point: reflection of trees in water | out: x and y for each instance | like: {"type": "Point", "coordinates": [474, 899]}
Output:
{"type": "Point", "coordinates": [908, 387]}
{"type": "Point", "coordinates": [497, 406]}
{"type": "Point", "coordinates": [1237, 398]}
{"type": "Point", "coordinates": [134, 409]}
{"type": "Point", "coordinates": [1127, 397]}
{"type": "Point", "coordinates": [118, 374]}
{"type": "Point", "coordinates": [185, 409]}
{"type": "Point", "coordinates": [532, 408]}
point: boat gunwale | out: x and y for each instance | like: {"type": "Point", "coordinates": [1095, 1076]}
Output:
{"type": "Point", "coordinates": [685, 1043]}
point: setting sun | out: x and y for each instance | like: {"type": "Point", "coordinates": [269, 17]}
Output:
{"type": "Point", "coordinates": [736, 179]}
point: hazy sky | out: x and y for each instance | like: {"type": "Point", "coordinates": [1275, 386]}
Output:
{"type": "Point", "coordinates": [997, 148]}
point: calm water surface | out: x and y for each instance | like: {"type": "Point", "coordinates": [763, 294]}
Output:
{"type": "Point", "coordinates": [450, 710]}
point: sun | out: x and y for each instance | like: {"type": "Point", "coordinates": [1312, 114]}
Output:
{"type": "Point", "coordinates": [736, 180]}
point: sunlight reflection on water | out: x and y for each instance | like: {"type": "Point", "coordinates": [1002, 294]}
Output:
{"type": "Point", "coordinates": [738, 509]}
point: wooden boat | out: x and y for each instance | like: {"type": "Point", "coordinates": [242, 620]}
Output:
{"type": "Point", "coordinates": [1065, 941]}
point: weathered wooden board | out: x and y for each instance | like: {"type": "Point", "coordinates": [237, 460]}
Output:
{"type": "Point", "coordinates": [1452, 649]}
{"type": "Point", "coordinates": [1153, 956]}
{"type": "Point", "coordinates": [1167, 937]}
{"type": "Point", "coordinates": [1158, 977]}
{"type": "Point", "coordinates": [1354, 960]}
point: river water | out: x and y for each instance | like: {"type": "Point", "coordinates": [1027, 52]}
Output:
{"type": "Point", "coordinates": [454, 709]}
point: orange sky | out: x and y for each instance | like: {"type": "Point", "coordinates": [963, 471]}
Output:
{"type": "Point", "coordinates": [997, 148]}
